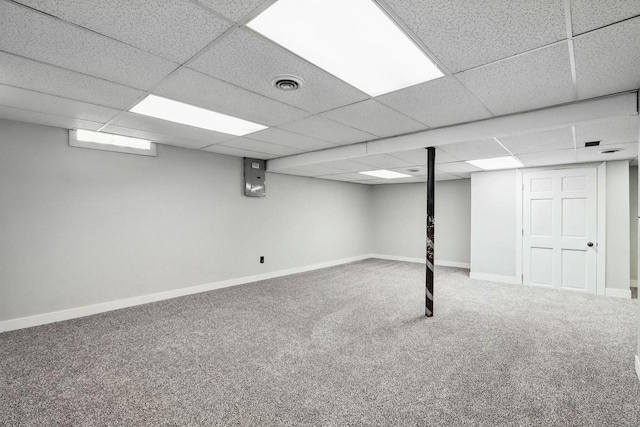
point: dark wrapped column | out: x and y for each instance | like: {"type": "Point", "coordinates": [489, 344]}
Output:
{"type": "Point", "coordinates": [431, 180]}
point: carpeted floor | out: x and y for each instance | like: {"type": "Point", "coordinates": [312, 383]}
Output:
{"type": "Point", "coordinates": [340, 346]}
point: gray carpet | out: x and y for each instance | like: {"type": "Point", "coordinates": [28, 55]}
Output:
{"type": "Point", "coordinates": [340, 346]}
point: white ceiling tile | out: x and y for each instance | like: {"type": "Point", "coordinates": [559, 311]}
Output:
{"type": "Point", "coordinates": [352, 177]}
{"type": "Point", "coordinates": [533, 80]}
{"type": "Point", "coordinates": [555, 139]}
{"type": "Point", "coordinates": [549, 158]}
{"type": "Point", "coordinates": [593, 154]}
{"type": "Point", "coordinates": [163, 127]}
{"type": "Point", "coordinates": [297, 172]}
{"type": "Point", "coordinates": [419, 156]}
{"type": "Point", "coordinates": [375, 118]}
{"type": "Point", "coordinates": [18, 115]}
{"type": "Point", "coordinates": [382, 161]}
{"type": "Point", "coordinates": [347, 166]}
{"type": "Point", "coordinates": [617, 131]}
{"type": "Point", "coordinates": [437, 103]}
{"type": "Point", "coordinates": [463, 175]}
{"type": "Point", "coordinates": [319, 170]}
{"type": "Point", "coordinates": [608, 60]}
{"type": "Point", "coordinates": [261, 147]}
{"type": "Point", "coordinates": [327, 130]}
{"type": "Point", "coordinates": [457, 167]}
{"type": "Point", "coordinates": [290, 139]}
{"type": "Point", "coordinates": [474, 150]}
{"type": "Point", "coordinates": [348, 177]}
{"type": "Point", "coordinates": [49, 104]}
{"type": "Point", "coordinates": [233, 9]}
{"type": "Point", "coordinates": [587, 15]}
{"type": "Point", "coordinates": [446, 177]}
{"type": "Point", "coordinates": [465, 34]}
{"type": "Point", "coordinates": [237, 152]}
{"type": "Point", "coordinates": [31, 34]}
{"type": "Point", "coordinates": [29, 74]}
{"type": "Point", "coordinates": [250, 61]}
{"type": "Point", "coordinates": [175, 30]}
{"type": "Point", "coordinates": [204, 91]}
{"type": "Point", "coordinates": [155, 137]}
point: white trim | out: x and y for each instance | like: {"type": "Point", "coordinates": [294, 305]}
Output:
{"type": "Point", "coordinates": [633, 283]}
{"type": "Point", "coordinates": [73, 313]}
{"type": "Point", "coordinates": [618, 293]}
{"type": "Point", "coordinates": [519, 226]}
{"type": "Point", "coordinates": [453, 264]}
{"type": "Point", "coordinates": [601, 243]}
{"type": "Point", "coordinates": [494, 278]}
{"type": "Point", "coordinates": [442, 263]}
{"type": "Point", "coordinates": [399, 258]}
{"type": "Point", "coordinates": [638, 366]}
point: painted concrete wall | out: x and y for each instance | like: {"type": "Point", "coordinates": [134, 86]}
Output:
{"type": "Point", "coordinates": [618, 225]}
{"type": "Point", "coordinates": [633, 217]}
{"type": "Point", "coordinates": [493, 223]}
{"type": "Point", "coordinates": [399, 220]}
{"type": "Point", "coordinates": [80, 227]}
{"type": "Point", "coordinates": [494, 227]}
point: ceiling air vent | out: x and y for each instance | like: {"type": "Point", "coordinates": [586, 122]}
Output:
{"type": "Point", "coordinates": [592, 144]}
{"type": "Point", "coordinates": [287, 83]}
{"type": "Point", "coordinates": [615, 150]}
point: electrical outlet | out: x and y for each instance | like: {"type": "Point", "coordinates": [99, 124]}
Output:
{"type": "Point", "coordinates": [261, 260]}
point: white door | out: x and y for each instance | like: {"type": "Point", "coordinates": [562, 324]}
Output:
{"type": "Point", "coordinates": [559, 229]}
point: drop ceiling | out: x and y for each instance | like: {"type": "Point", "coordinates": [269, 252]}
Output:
{"type": "Point", "coordinates": [85, 64]}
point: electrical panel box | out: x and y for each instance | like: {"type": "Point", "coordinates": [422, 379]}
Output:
{"type": "Point", "coordinates": [254, 175]}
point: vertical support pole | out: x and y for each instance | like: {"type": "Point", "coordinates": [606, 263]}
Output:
{"type": "Point", "coordinates": [431, 175]}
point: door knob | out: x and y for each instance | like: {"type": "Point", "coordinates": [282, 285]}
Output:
{"type": "Point", "coordinates": [590, 244]}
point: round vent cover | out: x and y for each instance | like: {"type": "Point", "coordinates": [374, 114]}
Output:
{"type": "Point", "coordinates": [287, 83]}
{"type": "Point", "coordinates": [413, 170]}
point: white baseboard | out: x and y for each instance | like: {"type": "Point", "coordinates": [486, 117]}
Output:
{"type": "Point", "coordinates": [618, 293]}
{"type": "Point", "coordinates": [422, 261]}
{"type": "Point", "coordinates": [453, 264]}
{"type": "Point", "coordinates": [73, 313]}
{"type": "Point", "coordinates": [633, 284]}
{"type": "Point", "coordinates": [494, 278]}
{"type": "Point", "coordinates": [638, 366]}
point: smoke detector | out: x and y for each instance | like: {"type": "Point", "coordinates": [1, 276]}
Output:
{"type": "Point", "coordinates": [287, 82]}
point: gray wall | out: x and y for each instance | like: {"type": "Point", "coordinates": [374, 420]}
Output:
{"type": "Point", "coordinates": [493, 223]}
{"type": "Point", "coordinates": [633, 217]}
{"type": "Point", "coordinates": [80, 227]}
{"type": "Point", "coordinates": [399, 220]}
{"type": "Point", "coordinates": [618, 225]}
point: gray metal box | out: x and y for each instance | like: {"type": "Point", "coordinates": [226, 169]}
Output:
{"type": "Point", "coordinates": [254, 174]}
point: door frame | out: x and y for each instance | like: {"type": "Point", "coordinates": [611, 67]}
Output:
{"type": "Point", "coordinates": [601, 199]}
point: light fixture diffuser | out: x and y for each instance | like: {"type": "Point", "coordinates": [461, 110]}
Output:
{"type": "Point", "coordinates": [353, 40]}
{"type": "Point", "coordinates": [386, 174]}
{"type": "Point", "coordinates": [190, 115]}
{"type": "Point", "coordinates": [111, 139]}
{"type": "Point", "coordinates": [507, 162]}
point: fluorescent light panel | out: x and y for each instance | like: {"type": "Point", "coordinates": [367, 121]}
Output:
{"type": "Point", "coordinates": [179, 112]}
{"type": "Point", "coordinates": [111, 139]}
{"type": "Point", "coordinates": [383, 173]}
{"type": "Point", "coordinates": [507, 162]}
{"type": "Point", "coordinates": [354, 40]}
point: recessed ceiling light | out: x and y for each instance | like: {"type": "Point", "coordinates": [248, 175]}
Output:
{"type": "Point", "coordinates": [354, 40]}
{"type": "Point", "coordinates": [507, 162]}
{"type": "Point", "coordinates": [179, 112]}
{"type": "Point", "coordinates": [111, 139]}
{"type": "Point", "coordinates": [386, 174]}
